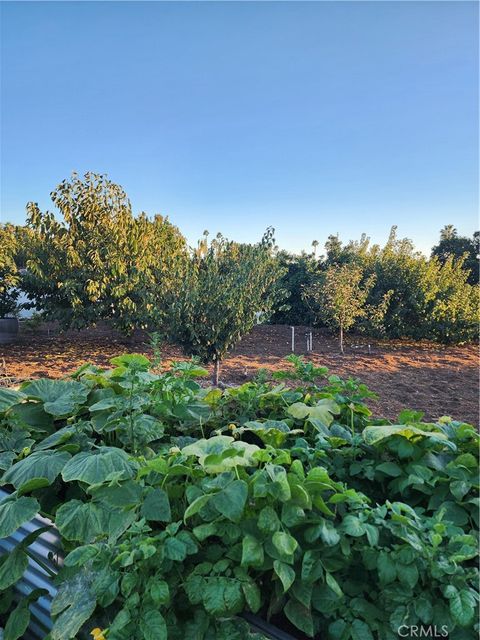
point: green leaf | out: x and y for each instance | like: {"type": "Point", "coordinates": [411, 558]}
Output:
{"type": "Point", "coordinates": [134, 360]}
{"type": "Point", "coordinates": [159, 591]}
{"type": "Point", "coordinates": [153, 626]}
{"type": "Point", "coordinates": [81, 555]}
{"type": "Point", "coordinates": [39, 464]}
{"type": "Point", "coordinates": [156, 506]}
{"type": "Point", "coordinates": [230, 502]}
{"type": "Point", "coordinates": [353, 526]}
{"type": "Point", "coordinates": [300, 616]}
{"type": "Point", "coordinates": [60, 398]}
{"type": "Point", "coordinates": [298, 410]}
{"type": "Point", "coordinates": [374, 434]}
{"type": "Point", "coordinates": [333, 584]}
{"type": "Point", "coordinates": [252, 552]}
{"type": "Point", "coordinates": [252, 595]}
{"type": "Point", "coordinates": [360, 631]}
{"type": "Point", "coordinates": [328, 533]}
{"type": "Point", "coordinates": [268, 521]}
{"type": "Point", "coordinates": [223, 596]}
{"type": "Point", "coordinates": [390, 469]}
{"type": "Point", "coordinates": [324, 411]}
{"type": "Point", "coordinates": [73, 604]}
{"type": "Point", "coordinates": [87, 521]}
{"type": "Point", "coordinates": [175, 549]}
{"type": "Point", "coordinates": [423, 609]}
{"type": "Point", "coordinates": [407, 574]}
{"type": "Point", "coordinates": [285, 573]}
{"type": "Point", "coordinates": [387, 571]}
{"type": "Point", "coordinates": [9, 398]}
{"type": "Point", "coordinates": [12, 567]}
{"type": "Point", "coordinates": [95, 467]}
{"type": "Point", "coordinates": [284, 543]}
{"type": "Point", "coordinates": [462, 607]}
{"type": "Point", "coordinates": [196, 506]}
{"type": "Point", "coordinates": [337, 629]}
{"type": "Point", "coordinates": [17, 622]}
{"type": "Point", "coordinates": [14, 512]}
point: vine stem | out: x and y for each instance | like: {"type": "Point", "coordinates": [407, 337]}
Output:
{"type": "Point", "coordinates": [45, 567]}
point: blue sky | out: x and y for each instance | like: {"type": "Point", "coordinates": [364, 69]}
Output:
{"type": "Point", "coordinates": [313, 117]}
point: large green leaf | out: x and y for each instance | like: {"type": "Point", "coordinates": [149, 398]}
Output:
{"type": "Point", "coordinates": [60, 397]}
{"type": "Point", "coordinates": [360, 630]}
{"type": "Point", "coordinates": [462, 606]}
{"type": "Point", "coordinates": [39, 464]}
{"type": "Point", "coordinates": [285, 573]}
{"type": "Point", "coordinates": [12, 567]}
{"type": "Point", "coordinates": [14, 512]}
{"type": "Point", "coordinates": [221, 453]}
{"type": "Point", "coordinates": [87, 521]}
{"type": "Point", "coordinates": [230, 502]}
{"type": "Point", "coordinates": [17, 622]}
{"type": "Point", "coordinates": [33, 415]}
{"type": "Point", "coordinates": [284, 543]}
{"type": "Point", "coordinates": [156, 506]}
{"type": "Point", "coordinates": [95, 467]}
{"type": "Point", "coordinates": [374, 434]}
{"type": "Point", "coordinates": [223, 596]}
{"type": "Point", "coordinates": [153, 626]}
{"type": "Point", "coordinates": [300, 616]}
{"type": "Point", "coordinates": [298, 410]}
{"type": "Point", "coordinates": [353, 526]}
{"type": "Point", "coordinates": [324, 411]}
{"type": "Point", "coordinates": [74, 604]}
{"type": "Point", "coordinates": [387, 571]}
{"type": "Point", "coordinates": [9, 398]}
{"type": "Point", "coordinates": [252, 551]}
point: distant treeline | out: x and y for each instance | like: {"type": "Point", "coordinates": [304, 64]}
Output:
{"type": "Point", "coordinates": [94, 260]}
{"type": "Point", "coordinates": [409, 295]}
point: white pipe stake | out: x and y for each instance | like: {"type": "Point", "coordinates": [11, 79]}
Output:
{"type": "Point", "coordinates": [293, 339]}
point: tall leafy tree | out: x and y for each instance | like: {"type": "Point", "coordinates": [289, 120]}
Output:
{"type": "Point", "coordinates": [451, 244]}
{"type": "Point", "coordinates": [339, 297]}
{"type": "Point", "coordinates": [95, 260]}
{"type": "Point", "coordinates": [9, 274]}
{"type": "Point", "coordinates": [224, 287]}
{"type": "Point", "coordinates": [298, 272]}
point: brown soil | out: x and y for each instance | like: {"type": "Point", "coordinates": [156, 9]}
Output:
{"type": "Point", "coordinates": [425, 376]}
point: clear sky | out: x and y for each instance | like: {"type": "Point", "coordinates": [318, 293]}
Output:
{"type": "Point", "coordinates": [313, 117]}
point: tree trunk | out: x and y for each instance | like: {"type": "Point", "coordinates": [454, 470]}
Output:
{"type": "Point", "coordinates": [216, 371]}
{"type": "Point", "coordinates": [341, 337]}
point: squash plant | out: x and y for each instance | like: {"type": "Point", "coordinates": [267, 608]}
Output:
{"type": "Point", "coordinates": [181, 507]}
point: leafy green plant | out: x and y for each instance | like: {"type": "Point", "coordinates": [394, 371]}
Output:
{"type": "Point", "coordinates": [225, 286]}
{"type": "Point", "coordinates": [181, 507]}
{"type": "Point", "coordinates": [96, 261]}
{"type": "Point", "coordinates": [339, 297]}
{"type": "Point", "coordinates": [9, 274]}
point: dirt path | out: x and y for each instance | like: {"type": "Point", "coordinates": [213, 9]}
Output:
{"type": "Point", "coordinates": [424, 376]}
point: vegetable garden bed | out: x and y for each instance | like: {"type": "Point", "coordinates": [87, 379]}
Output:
{"type": "Point", "coordinates": [181, 508]}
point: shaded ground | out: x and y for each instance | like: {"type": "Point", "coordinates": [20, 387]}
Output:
{"type": "Point", "coordinates": [419, 375]}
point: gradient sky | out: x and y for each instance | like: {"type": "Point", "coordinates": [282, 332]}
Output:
{"type": "Point", "coordinates": [313, 117]}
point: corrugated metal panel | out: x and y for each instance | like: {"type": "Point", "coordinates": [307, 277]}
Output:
{"type": "Point", "coordinates": [47, 544]}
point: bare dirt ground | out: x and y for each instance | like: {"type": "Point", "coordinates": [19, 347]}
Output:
{"type": "Point", "coordinates": [425, 376]}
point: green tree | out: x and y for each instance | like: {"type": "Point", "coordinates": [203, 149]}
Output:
{"type": "Point", "coordinates": [96, 261]}
{"type": "Point", "coordinates": [223, 288]}
{"type": "Point", "coordinates": [339, 297]}
{"type": "Point", "coordinates": [9, 274]}
{"type": "Point", "coordinates": [451, 244]}
{"type": "Point", "coordinates": [299, 271]}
